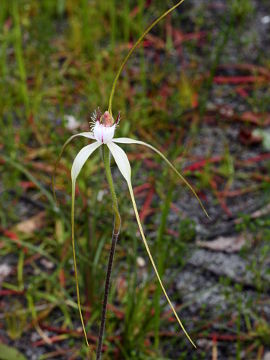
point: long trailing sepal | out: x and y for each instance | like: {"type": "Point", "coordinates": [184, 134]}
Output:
{"type": "Point", "coordinates": [78, 163]}
{"type": "Point", "coordinates": [88, 135]}
{"type": "Point", "coordinates": [132, 141]}
{"type": "Point", "coordinates": [123, 164]}
{"type": "Point", "coordinates": [137, 43]}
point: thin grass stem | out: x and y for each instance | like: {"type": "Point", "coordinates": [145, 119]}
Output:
{"type": "Point", "coordinates": [19, 55]}
{"type": "Point", "coordinates": [161, 255]}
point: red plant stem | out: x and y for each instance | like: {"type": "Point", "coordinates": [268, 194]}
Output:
{"type": "Point", "coordinates": [238, 79]}
{"type": "Point", "coordinates": [146, 206]}
{"type": "Point", "coordinates": [106, 295]}
{"type": "Point", "coordinates": [11, 292]}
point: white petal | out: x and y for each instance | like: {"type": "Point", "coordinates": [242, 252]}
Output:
{"type": "Point", "coordinates": [88, 135]}
{"type": "Point", "coordinates": [127, 141]}
{"type": "Point", "coordinates": [81, 158]}
{"type": "Point", "coordinates": [121, 160]}
{"type": "Point", "coordinates": [132, 141]}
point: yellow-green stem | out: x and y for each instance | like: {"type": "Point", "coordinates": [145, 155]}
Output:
{"type": "Point", "coordinates": [150, 27]}
{"type": "Point", "coordinates": [153, 263]}
{"type": "Point", "coordinates": [75, 262]}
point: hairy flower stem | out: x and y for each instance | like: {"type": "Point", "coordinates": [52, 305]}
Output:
{"type": "Point", "coordinates": [116, 231]}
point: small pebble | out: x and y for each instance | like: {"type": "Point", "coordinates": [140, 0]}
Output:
{"type": "Point", "coordinates": [265, 20]}
{"type": "Point", "coordinates": [72, 122]}
{"type": "Point", "coordinates": [267, 356]}
{"type": "Point", "coordinates": [140, 261]}
{"type": "Point", "coordinates": [100, 195]}
{"type": "Point", "coordinates": [47, 264]}
{"type": "Point", "coordinates": [5, 270]}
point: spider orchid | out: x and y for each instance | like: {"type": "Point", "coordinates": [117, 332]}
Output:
{"type": "Point", "coordinates": [102, 132]}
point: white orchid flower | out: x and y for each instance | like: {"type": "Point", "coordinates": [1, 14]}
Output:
{"type": "Point", "coordinates": [102, 132]}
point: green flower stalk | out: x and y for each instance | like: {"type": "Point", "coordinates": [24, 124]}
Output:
{"type": "Point", "coordinates": [103, 127]}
